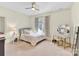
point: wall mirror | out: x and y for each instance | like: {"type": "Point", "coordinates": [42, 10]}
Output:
{"type": "Point", "coordinates": [63, 29]}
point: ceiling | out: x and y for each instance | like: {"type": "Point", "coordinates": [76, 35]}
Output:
{"type": "Point", "coordinates": [43, 6]}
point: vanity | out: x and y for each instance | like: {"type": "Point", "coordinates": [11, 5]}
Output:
{"type": "Point", "coordinates": [2, 43]}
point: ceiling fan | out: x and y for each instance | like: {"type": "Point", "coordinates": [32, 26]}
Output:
{"type": "Point", "coordinates": [33, 7]}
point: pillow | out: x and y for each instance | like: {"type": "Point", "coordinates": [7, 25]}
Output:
{"type": "Point", "coordinates": [26, 32]}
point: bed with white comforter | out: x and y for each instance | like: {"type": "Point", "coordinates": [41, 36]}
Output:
{"type": "Point", "coordinates": [33, 37]}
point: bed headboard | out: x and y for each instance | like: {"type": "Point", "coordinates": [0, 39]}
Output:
{"type": "Point", "coordinates": [22, 30]}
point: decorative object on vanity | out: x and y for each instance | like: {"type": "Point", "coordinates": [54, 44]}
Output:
{"type": "Point", "coordinates": [55, 41]}
{"type": "Point", "coordinates": [64, 39]}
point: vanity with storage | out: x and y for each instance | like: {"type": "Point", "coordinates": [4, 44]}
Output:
{"type": "Point", "coordinates": [2, 41]}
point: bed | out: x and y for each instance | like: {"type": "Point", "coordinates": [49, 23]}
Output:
{"type": "Point", "coordinates": [31, 37]}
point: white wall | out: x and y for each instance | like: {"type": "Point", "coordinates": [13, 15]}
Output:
{"type": "Point", "coordinates": [75, 13]}
{"type": "Point", "coordinates": [14, 18]}
{"type": "Point", "coordinates": [32, 22]}
{"type": "Point", "coordinates": [2, 24]}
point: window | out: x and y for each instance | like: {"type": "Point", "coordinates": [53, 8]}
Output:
{"type": "Point", "coordinates": [39, 23]}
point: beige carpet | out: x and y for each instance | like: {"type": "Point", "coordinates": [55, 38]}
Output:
{"type": "Point", "coordinates": [45, 48]}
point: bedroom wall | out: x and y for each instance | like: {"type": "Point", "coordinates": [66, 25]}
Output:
{"type": "Point", "coordinates": [57, 18]}
{"type": "Point", "coordinates": [13, 18]}
{"type": "Point", "coordinates": [75, 13]}
{"type": "Point", "coordinates": [2, 24]}
{"type": "Point", "coordinates": [32, 22]}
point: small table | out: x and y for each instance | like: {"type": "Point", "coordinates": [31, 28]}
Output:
{"type": "Point", "coordinates": [62, 41]}
{"type": "Point", "coordinates": [65, 42]}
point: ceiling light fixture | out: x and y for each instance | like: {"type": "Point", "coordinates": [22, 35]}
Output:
{"type": "Point", "coordinates": [33, 9]}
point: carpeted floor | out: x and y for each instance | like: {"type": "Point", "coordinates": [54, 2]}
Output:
{"type": "Point", "coordinates": [45, 48]}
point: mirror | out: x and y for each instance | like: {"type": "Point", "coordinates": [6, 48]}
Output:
{"type": "Point", "coordinates": [63, 29]}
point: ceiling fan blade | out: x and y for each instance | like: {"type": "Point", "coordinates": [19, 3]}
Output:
{"type": "Point", "coordinates": [36, 9]}
{"type": "Point", "coordinates": [29, 8]}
